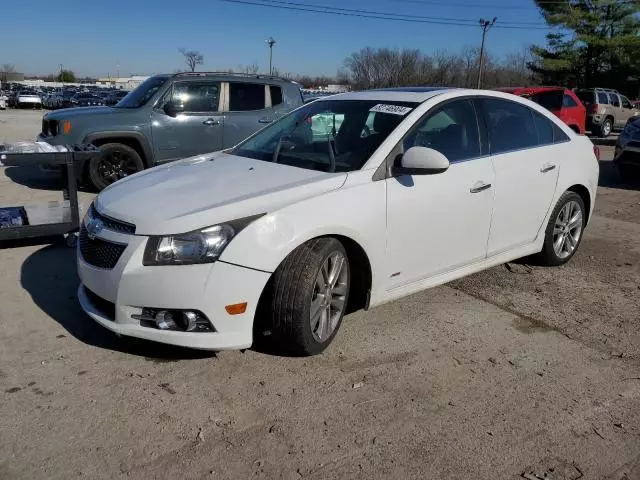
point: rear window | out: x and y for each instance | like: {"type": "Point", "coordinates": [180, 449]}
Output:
{"type": "Point", "coordinates": [585, 96]}
{"type": "Point", "coordinates": [246, 96]}
{"type": "Point", "coordinates": [551, 100]}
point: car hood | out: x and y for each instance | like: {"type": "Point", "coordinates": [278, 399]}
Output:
{"type": "Point", "coordinates": [67, 113]}
{"type": "Point", "coordinates": [209, 189]}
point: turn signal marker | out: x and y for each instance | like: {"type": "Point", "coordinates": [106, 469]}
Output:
{"type": "Point", "coordinates": [66, 127]}
{"type": "Point", "coordinates": [236, 308]}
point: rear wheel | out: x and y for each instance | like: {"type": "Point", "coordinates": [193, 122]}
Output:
{"type": "Point", "coordinates": [607, 128]}
{"type": "Point", "coordinates": [564, 230]}
{"type": "Point", "coordinates": [117, 161]}
{"type": "Point", "coordinates": [310, 294]}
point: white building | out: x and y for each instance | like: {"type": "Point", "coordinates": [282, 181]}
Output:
{"type": "Point", "coordinates": [124, 83]}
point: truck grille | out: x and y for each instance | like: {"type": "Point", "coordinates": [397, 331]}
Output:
{"type": "Point", "coordinates": [49, 127]}
{"type": "Point", "coordinates": [99, 253]}
{"type": "Point", "coordinates": [112, 224]}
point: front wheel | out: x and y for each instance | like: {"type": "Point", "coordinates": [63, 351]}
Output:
{"type": "Point", "coordinates": [310, 295]}
{"type": "Point", "coordinates": [117, 161]}
{"type": "Point", "coordinates": [564, 230]}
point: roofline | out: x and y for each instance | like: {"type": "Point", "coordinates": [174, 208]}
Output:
{"type": "Point", "coordinates": [232, 74]}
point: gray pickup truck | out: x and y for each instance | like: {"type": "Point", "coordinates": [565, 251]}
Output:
{"type": "Point", "coordinates": [169, 117]}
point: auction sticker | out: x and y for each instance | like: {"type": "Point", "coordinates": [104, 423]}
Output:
{"type": "Point", "coordinates": [393, 109]}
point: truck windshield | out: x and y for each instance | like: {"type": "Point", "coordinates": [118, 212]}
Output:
{"type": "Point", "coordinates": [327, 135]}
{"type": "Point", "coordinates": [145, 91]}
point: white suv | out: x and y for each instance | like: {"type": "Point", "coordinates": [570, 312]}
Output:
{"type": "Point", "coordinates": [293, 228]}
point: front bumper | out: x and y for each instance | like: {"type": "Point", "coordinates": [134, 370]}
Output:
{"type": "Point", "coordinates": [130, 286]}
{"type": "Point", "coordinates": [628, 154]}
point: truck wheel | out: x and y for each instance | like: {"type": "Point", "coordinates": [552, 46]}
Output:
{"type": "Point", "coordinates": [310, 295]}
{"type": "Point", "coordinates": [117, 161]}
{"type": "Point", "coordinates": [607, 128]}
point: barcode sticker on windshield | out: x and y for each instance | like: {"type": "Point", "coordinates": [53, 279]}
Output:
{"type": "Point", "coordinates": [393, 109]}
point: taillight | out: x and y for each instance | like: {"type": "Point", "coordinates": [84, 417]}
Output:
{"type": "Point", "coordinates": [596, 152]}
{"type": "Point", "coordinates": [594, 109]}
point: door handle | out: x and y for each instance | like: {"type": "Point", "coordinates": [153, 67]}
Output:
{"type": "Point", "coordinates": [480, 187]}
{"type": "Point", "coordinates": [547, 167]}
{"type": "Point", "coordinates": [210, 122]}
{"type": "Point", "coordinates": [265, 120]}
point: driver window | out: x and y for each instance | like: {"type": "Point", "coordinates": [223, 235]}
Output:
{"type": "Point", "coordinates": [197, 97]}
{"type": "Point", "coordinates": [452, 130]}
{"type": "Point", "coordinates": [625, 102]}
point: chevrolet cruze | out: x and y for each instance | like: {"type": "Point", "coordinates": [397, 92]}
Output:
{"type": "Point", "coordinates": [346, 203]}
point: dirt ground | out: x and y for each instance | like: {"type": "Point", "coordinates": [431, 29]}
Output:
{"type": "Point", "coordinates": [516, 372]}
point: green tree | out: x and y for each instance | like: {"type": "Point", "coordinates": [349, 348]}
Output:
{"type": "Point", "coordinates": [66, 76]}
{"type": "Point", "coordinates": [596, 43]}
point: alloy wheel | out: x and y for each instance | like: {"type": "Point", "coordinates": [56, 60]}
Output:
{"type": "Point", "coordinates": [567, 229]}
{"type": "Point", "coordinates": [115, 166]}
{"type": "Point", "coordinates": [329, 295]}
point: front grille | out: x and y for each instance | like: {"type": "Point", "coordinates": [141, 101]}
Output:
{"type": "Point", "coordinates": [99, 253]}
{"type": "Point", "coordinates": [49, 127]}
{"type": "Point", "coordinates": [111, 224]}
{"type": "Point", "coordinates": [104, 306]}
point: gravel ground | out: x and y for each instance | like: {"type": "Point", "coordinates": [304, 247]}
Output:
{"type": "Point", "coordinates": [516, 372]}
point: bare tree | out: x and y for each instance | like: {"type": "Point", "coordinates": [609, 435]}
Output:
{"type": "Point", "coordinates": [192, 58]}
{"type": "Point", "coordinates": [383, 67]}
{"type": "Point", "coordinates": [8, 68]}
{"type": "Point", "coordinates": [251, 69]}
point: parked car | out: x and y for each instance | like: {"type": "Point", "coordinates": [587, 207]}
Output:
{"type": "Point", "coordinates": [112, 98]}
{"type": "Point", "coordinates": [294, 229]}
{"type": "Point", "coordinates": [169, 117]}
{"type": "Point", "coordinates": [607, 110]}
{"type": "Point", "coordinates": [3, 101]}
{"type": "Point", "coordinates": [560, 101]}
{"type": "Point", "coordinates": [627, 153]}
{"type": "Point", "coordinates": [86, 100]}
{"type": "Point", "coordinates": [27, 99]}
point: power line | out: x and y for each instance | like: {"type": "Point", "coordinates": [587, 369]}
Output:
{"type": "Point", "coordinates": [405, 15]}
{"type": "Point", "coordinates": [494, 7]}
{"type": "Point", "coordinates": [377, 16]}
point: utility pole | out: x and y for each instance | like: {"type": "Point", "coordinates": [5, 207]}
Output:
{"type": "Point", "coordinates": [486, 26]}
{"type": "Point", "coordinates": [271, 42]}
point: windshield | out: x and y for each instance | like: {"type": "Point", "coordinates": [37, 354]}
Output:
{"type": "Point", "coordinates": [143, 93]}
{"type": "Point", "coordinates": [330, 135]}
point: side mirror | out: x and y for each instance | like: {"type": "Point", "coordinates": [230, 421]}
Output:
{"type": "Point", "coordinates": [421, 161]}
{"type": "Point", "coordinates": [173, 108]}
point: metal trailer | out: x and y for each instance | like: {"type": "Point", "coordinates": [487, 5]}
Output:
{"type": "Point", "coordinates": [63, 218]}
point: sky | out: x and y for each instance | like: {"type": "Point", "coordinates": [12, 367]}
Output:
{"type": "Point", "coordinates": [100, 38]}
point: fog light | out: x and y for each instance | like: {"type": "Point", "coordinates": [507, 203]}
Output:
{"type": "Point", "coordinates": [175, 320]}
{"type": "Point", "coordinates": [164, 321]}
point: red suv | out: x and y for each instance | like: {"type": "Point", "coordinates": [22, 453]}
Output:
{"type": "Point", "coordinates": [559, 100]}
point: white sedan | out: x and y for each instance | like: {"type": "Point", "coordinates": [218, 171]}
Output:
{"type": "Point", "coordinates": [291, 229]}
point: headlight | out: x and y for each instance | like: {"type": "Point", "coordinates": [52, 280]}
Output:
{"type": "Point", "coordinates": [202, 246]}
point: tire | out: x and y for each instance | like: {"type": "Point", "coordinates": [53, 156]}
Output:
{"type": "Point", "coordinates": [117, 161]}
{"type": "Point", "coordinates": [628, 174]}
{"type": "Point", "coordinates": [606, 128]}
{"type": "Point", "coordinates": [296, 285]}
{"type": "Point", "coordinates": [549, 255]}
